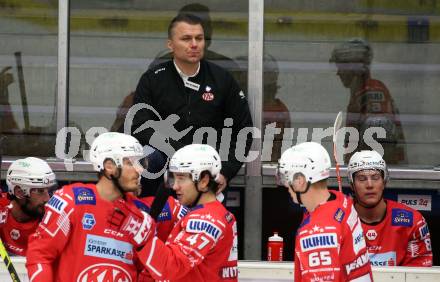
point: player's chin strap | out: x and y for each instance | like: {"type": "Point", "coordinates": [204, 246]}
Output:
{"type": "Point", "coordinates": [199, 193]}
{"type": "Point", "coordinates": [115, 181]}
{"type": "Point", "coordinates": [298, 194]}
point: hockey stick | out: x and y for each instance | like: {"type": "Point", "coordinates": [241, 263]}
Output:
{"type": "Point", "coordinates": [3, 253]}
{"type": "Point", "coordinates": [7, 260]}
{"type": "Point", "coordinates": [336, 126]}
{"type": "Point", "coordinates": [22, 90]}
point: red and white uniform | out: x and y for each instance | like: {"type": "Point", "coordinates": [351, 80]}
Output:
{"type": "Point", "coordinates": [201, 247]}
{"type": "Point", "coordinates": [402, 238]}
{"type": "Point", "coordinates": [4, 201]}
{"type": "Point", "coordinates": [375, 100]}
{"type": "Point", "coordinates": [330, 244]}
{"type": "Point", "coordinates": [74, 242]}
{"type": "Point", "coordinates": [171, 213]}
{"type": "Point", "coordinates": [15, 234]}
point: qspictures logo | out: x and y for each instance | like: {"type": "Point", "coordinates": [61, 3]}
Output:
{"type": "Point", "coordinates": [163, 130]}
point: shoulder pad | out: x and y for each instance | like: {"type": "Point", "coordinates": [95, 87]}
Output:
{"type": "Point", "coordinates": [141, 205]}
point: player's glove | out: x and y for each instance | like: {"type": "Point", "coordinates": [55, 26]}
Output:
{"type": "Point", "coordinates": [129, 220]}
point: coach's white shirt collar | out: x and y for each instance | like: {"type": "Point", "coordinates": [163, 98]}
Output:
{"type": "Point", "coordinates": [184, 76]}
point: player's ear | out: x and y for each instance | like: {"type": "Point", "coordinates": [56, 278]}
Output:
{"type": "Point", "coordinates": [299, 182]}
{"type": "Point", "coordinates": [170, 45]}
{"type": "Point", "coordinates": [18, 192]}
{"type": "Point", "coordinates": [110, 167]}
{"type": "Point", "coordinates": [203, 182]}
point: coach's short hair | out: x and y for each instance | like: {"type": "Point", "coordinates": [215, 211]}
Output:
{"type": "Point", "coordinates": [186, 18]}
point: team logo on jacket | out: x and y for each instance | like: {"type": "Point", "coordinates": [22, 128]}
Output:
{"type": "Point", "coordinates": [88, 221]}
{"type": "Point", "coordinates": [104, 272]}
{"type": "Point", "coordinates": [358, 239]}
{"type": "Point", "coordinates": [108, 248]}
{"type": "Point", "coordinates": [57, 203]}
{"type": "Point", "coordinates": [424, 231]}
{"type": "Point", "coordinates": [15, 234]}
{"type": "Point", "coordinates": [402, 218]}
{"type": "Point", "coordinates": [208, 95]}
{"type": "Point", "coordinates": [371, 235]}
{"type": "Point", "coordinates": [84, 196]}
{"type": "Point", "coordinates": [182, 212]}
{"type": "Point", "coordinates": [203, 226]}
{"type": "Point", "coordinates": [339, 215]}
{"type": "Point", "coordinates": [319, 241]}
{"type": "Point", "coordinates": [357, 263]}
{"type": "Point", "coordinates": [383, 259]}
{"type": "Point", "coordinates": [229, 217]}
{"type": "Point", "coordinates": [165, 214]}
{"type": "Point", "coordinates": [229, 272]}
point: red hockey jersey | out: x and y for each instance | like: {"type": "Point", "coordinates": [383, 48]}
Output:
{"type": "Point", "coordinates": [4, 201]}
{"type": "Point", "coordinates": [373, 106]}
{"type": "Point", "coordinates": [330, 244]}
{"type": "Point", "coordinates": [201, 247]}
{"type": "Point", "coordinates": [74, 242]}
{"type": "Point", "coordinates": [15, 234]}
{"type": "Point", "coordinates": [402, 238]}
{"type": "Point", "coordinates": [171, 213]}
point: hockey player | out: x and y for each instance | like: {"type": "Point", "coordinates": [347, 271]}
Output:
{"type": "Point", "coordinates": [203, 245]}
{"type": "Point", "coordinates": [330, 245]}
{"type": "Point", "coordinates": [371, 104]}
{"type": "Point", "coordinates": [74, 242]}
{"type": "Point", "coordinates": [28, 183]}
{"type": "Point", "coordinates": [395, 233]}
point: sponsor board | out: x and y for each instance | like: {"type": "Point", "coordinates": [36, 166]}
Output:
{"type": "Point", "coordinates": [417, 202]}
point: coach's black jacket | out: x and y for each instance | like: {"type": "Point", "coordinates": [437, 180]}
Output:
{"type": "Point", "coordinates": [218, 97]}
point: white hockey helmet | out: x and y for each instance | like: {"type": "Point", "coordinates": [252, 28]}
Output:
{"type": "Point", "coordinates": [29, 173]}
{"type": "Point", "coordinates": [115, 146]}
{"type": "Point", "coordinates": [309, 158]}
{"type": "Point", "coordinates": [353, 51]}
{"type": "Point", "coordinates": [366, 160]}
{"type": "Point", "coordinates": [194, 159]}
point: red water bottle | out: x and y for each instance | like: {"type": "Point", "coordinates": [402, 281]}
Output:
{"type": "Point", "coordinates": [275, 247]}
